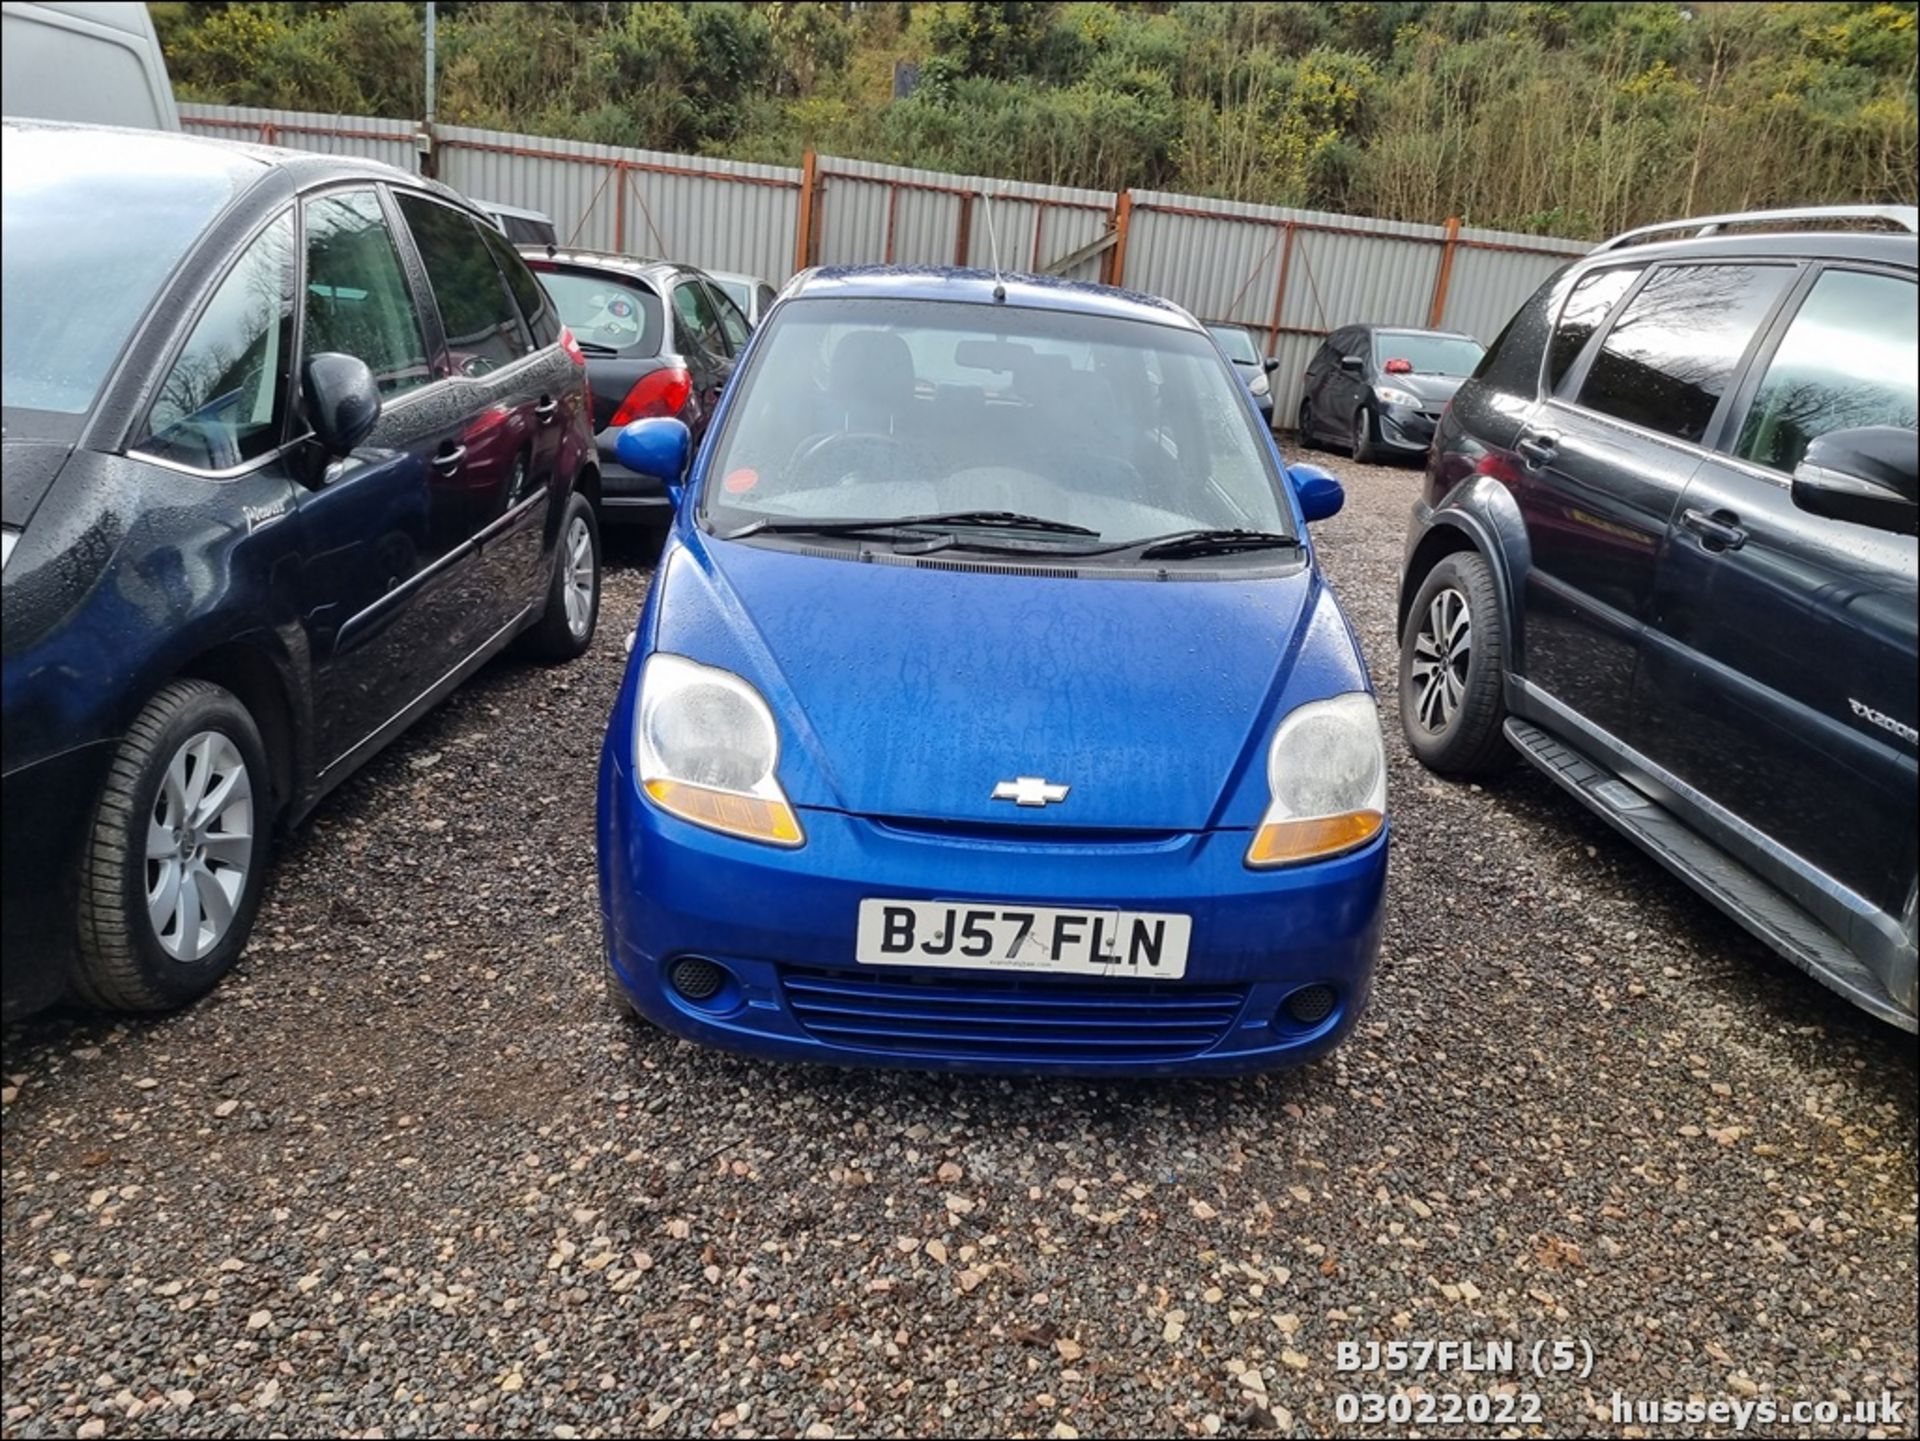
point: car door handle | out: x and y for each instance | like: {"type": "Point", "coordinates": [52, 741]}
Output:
{"type": "Point", "coordinates": [1719, 531]}
{"type": "Point", "coordinates": [448, 461]}
{"type": "Point", "coordinates": [1538, 449]}
{"type": "Point", "coordinates": [547, 409]}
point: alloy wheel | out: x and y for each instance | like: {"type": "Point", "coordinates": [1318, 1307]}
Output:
{"type": "Point", "coordinates": [199, 846]}
{"type": "Point", "coordinates": [1442, 652]}
{"type": "Point", "coordinates": [578, 578]}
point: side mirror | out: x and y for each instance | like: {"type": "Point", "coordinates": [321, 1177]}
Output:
{"type": "Point", "coordinates": [1353, 365]}
{"type": "Point", "coordinates": [658, 448]}
{"type": "Point", "coordinates": [1270, 364]}
{"type": "Point", "coordinates": [1319, 494]}
{"type": "Point", "coordinates": [342, 401]}
{"type": "Point", "coordinates": [1869, 475]}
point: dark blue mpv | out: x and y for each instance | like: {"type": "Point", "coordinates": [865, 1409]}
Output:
{"type": "Point", "coordinates": [989, 710]}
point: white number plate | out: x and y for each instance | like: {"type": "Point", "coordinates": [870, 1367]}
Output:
{"type": "Point", "coordinates": [972, 936]}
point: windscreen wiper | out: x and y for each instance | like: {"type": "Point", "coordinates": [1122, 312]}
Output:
{"type": "Point", "coordinates": [594, 347]}
{"type": "Point", "coordinates": [1212, 542]}
{"type": "Point", "coordinates": [986, 519]}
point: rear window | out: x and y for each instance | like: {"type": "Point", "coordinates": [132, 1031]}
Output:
{"type": "Point", "coordinates": [522, 231]}
{"type": "Point", "coordinates": [620, 315]}
{"type": "Point", "coordinates": [93, 226]}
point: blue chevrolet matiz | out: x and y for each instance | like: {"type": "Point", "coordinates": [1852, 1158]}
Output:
{"type": "Point", "coordinates": [989, 710]}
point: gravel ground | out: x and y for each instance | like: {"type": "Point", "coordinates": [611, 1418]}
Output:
{"type": "Point", "coordinates": [406, 1173]}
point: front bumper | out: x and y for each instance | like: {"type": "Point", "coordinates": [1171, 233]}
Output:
{"type": "Point", "coordinates": [1405, 429]}
{"type": "Point", "coordinates": [626, 494]}
{"type": "Point", "coordinates": [782, 924]}
{"type": "Point", "coordinates": [45, 809]}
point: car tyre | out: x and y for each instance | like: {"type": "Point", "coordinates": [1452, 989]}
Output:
{"type": "Point", "coordinates": [1364, 450]}
{"type": "Point", "coordinates": [1453, 657]}
{"type": "Point", "coordinates": [1305, 424]}
{"type": "Point", "coordinates": [618, 1000]}
{"type": "Point", "coordinates": [176, 853]}
{"type": "Point", "coordinates": [573, 596]}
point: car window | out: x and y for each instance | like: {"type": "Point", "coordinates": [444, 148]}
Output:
{"type": "Point", "coordinates": [738, 291]}
{"type": "Point", "coordinates": [357, 300]}
{"type": "Point", "coordinates": [1674, 349]}
{"type": "Point", "coordinates": [1237, 343]}
{"type": "Point", "coordinates": [224, 399]}
{"type": "Point", "coordinates": [520, 230]}
{"type": "Point", "coordinates": [535, 306]}
{"type": "Point", "coordinates": [483, 326]}
{"type": "Point", "coordinates": [765, 297]}
{"type": "Point", "coordinates": [1848, 358]}
{"type": "Point", "coordinates": [732, 323]}
{"type": "Point", "coordinates": [697, 323]}
{"type": "Point", "coordinates": [1586, 311]}
{"type": "Point", "coordinates": [620, 314]}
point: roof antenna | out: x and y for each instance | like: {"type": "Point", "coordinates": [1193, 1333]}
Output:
{"type": "Point", "coordinates": [993, 242]}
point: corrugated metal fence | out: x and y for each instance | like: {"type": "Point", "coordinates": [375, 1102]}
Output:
{"type": "Point", "coordinates": [1288, 275]}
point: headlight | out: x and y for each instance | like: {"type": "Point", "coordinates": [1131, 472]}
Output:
{"type": "Point", "coordinates": [1387, 395]}
{"type": "Point", "coordinates": [1327, 770]}
{"type": "Point", "coordinates": [9, 537]}
{"type": "Point", "coordinates": [706, 748]}
{"type": "Point", "coordinates": [1258, 385]}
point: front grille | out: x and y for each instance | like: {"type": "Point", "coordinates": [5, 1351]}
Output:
{"type": "Point", "coordinates": [975, 1018]}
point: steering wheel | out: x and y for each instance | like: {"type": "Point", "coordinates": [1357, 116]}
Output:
{"type": "Point", "coordinates": [812, 456]}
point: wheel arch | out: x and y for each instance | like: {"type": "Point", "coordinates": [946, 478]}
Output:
{"type": "Point", "coordinates": [1480, 516]}
{"type": "Point", "coordinates": [262, 686]}
{"type": "Point", "coordinates": [587, 483]}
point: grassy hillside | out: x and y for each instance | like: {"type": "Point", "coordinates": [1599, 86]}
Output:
{"type": "Point", "coordinates": [1576, 119]}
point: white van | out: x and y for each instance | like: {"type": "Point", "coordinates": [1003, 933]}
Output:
{"type": "Point", "coordinates": [89, 60]}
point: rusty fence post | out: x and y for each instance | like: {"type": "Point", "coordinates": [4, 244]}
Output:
{"type": "Point", "coordinates": [619, 179]}
{"type": "Point", "coordinates": [803, 241]}
{"type": "Point", "coordinates": [963, 236]}
{"type": "Point", "coordinates": [1117, 257]}
{"type": "Point", "coordinates": [1280, 291]}
{"type": "Point", "coordinates": [1445, 277]}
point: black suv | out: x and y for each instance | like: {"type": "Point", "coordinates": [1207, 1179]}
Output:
{"type": "Point", "coordinates": [1666, 551]}
{"type": "Point", "coordinates": [294, 443]}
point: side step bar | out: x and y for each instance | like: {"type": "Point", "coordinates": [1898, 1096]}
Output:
{"type": "Point", "coordinates": [1742, 895]}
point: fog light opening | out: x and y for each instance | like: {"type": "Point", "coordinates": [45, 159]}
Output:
{"type": "Point", "coordinates": [696, 979]}
{"type": "Point", "coordinates": [1309, 1006]}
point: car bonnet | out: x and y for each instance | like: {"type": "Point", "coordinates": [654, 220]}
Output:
{"type": "Point", "coordinates": [912, 691]}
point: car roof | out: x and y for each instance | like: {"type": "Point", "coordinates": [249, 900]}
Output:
{"type": "Point", "coordinates": [639, 266]}
{"type": "Point", "coordinates": [143, 149]}
{"type": "Point", "coordinates": [494, 207]}
{"type": "Point", "coordinates": [739, 275]}
{"type": "Point", "coordinates": [1419, 330]}
{"type": "Point", "coordinates": [977, 287]}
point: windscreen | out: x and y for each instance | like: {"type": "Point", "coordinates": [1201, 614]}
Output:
{"type": "Point", "coordinates": [600, 311]}
{"type": "Point", "coordinates": [94, 223]}
{"type": "Point", "coordinates": [738, 291]}
{"type": "Point", "coordinates": [885, 409]}
{"type": "Point", "coordinates": [1428, 354]}
{"type": "Point", "coordinates": [1237, 344]}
